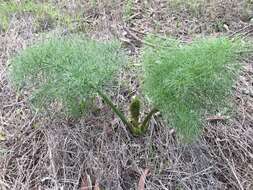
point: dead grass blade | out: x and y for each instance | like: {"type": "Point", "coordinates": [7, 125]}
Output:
{"type": "Point", "coordinates": [141, 184]}
{"type": "Point", "coordinates": [86, 183]}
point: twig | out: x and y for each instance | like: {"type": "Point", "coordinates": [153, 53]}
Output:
{"type": "Point", "coordinates": [239, 31]}
{"type": "Point", "coordinates": [138, 39]}
{"type": "Point", "coordinates": [231, 168]}
{"type": "Point", "coordinates": [133, 16]}
{"type": "Point", "coordinates": [216, 118]}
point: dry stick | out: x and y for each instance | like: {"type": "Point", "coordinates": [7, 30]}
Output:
{"type": "Point", "coordinates": [52, 164]}
{"type": "Point", "coordinates": [155, 46]}
{"type": "Point", "coordinates": [4, 184]}
{"type": "Point", "coordinates": [216, 118]}
{"type": "Point", "coordinates": [238, 31]}
{"type": "Point", "coordinates": [138, 39]}
{"type": "Point", "coordinates": [133, 16]}
{"type": "Point", "coordinates": [231, 168]}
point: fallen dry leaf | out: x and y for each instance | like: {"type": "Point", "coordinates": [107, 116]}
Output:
{"type": "Point", "coordinates": [86, 183]}
{"type": "Point", "coordinates": [96, 187]}
{"type": "Point", "coordinates": [141, 184]}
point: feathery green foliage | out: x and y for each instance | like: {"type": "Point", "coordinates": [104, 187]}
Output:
{"type": "Point", "coordinates": [67, 70]}
{"type": "Point", "coordinates": [186, 80]}
{"type": "Point", "coordinates": [72, 71]}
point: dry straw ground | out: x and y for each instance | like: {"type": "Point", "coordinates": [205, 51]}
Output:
{"type": "Point", "coordinates": [49, 152]}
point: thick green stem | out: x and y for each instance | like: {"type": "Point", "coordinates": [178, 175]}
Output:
{"type": "Point", "coordinates": [136, 129]}
{"type": "Point", "coordinates": [148, 117]}
{"type": "Point", "coordinates": [114, 108]}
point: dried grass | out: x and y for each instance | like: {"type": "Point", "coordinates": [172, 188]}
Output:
{"type": "Point", "coordinates": [42, 152]}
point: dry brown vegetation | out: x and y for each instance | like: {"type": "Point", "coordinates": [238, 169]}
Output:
{"type": "Point", "coordinates": [39, 151]}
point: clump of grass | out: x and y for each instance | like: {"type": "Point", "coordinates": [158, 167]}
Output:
{"type": "Point", "coordinates": [66, 70]}
{"type": "Point", "coordinates": [186, 80]}
{"type": "Point", "coordinates": [40, 10]}
{"type": "Point", "coordinates": [128, 9]}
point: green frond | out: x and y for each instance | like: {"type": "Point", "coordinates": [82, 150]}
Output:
{"type": "Point", "coordinates": [66, 70]}
{"type": "Point", "coordinates": [185, 80]}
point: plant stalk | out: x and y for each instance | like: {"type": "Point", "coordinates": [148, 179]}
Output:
{"type": "Point", "coordinates": [148, 117]}
{"type": "Point", "coordinates": [114, 108]}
